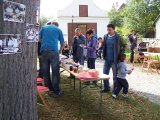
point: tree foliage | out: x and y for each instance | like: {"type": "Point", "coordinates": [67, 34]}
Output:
{"type": "Point", "coordinates": [116, 17]}
{"type": "Point", "coordinates": [138, 15]}
{"type": "Point", "coordinates": [43, 20]}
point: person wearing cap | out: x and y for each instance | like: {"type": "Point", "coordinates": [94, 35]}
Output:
{"type": "Point", "coordinates": [49, 36]}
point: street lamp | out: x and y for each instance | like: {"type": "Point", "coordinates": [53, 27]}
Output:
{"type": "Point", "coordinates": [72, 26]}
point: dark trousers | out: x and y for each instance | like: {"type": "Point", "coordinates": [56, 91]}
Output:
{"type": "Point", "coordinates": [40, 74]}
{"type": "Point", "coordinates": [79, 60]}
{"type": "Point", "coordinates": [132, 47]}
{"type": "Point", "coordinates": [99, 54]}
{"type": "Point", "coordinates": [91, 63]}
{"type": "Point", "coordinates": [121, 83]}
{"type": "Point", "coordinates": [51, 59]}
{"type": "Point", "coordinates": [66, 54]}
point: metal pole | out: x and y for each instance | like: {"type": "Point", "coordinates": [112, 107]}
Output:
{"type": "Point", "coordinates": [72, 27]}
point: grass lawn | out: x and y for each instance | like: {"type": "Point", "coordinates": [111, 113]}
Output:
{"type": "Point", "coordinates": [66, 107]}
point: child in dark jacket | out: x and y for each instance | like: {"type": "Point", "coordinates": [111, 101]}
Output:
{"type": "Point", "coordinates": [122, 83]}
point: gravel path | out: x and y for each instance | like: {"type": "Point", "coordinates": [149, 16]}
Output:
{"type": "Point", "coordinates": [141, 83]}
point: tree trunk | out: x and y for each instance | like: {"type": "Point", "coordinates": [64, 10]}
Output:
{"type": "Point", "coordinates": [18, 71]}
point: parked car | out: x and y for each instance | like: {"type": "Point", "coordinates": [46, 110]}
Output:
{"type": "Point", "coordinates": [142, 46]}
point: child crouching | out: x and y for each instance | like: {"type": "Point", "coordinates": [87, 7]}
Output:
{"type": "Point", "coordinates": [121, 77]}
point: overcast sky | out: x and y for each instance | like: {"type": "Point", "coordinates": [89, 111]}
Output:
{"type": "Point", "coordinates": [49, 7]}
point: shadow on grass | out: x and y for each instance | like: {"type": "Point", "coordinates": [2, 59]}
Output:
{"type": "Point", "coordinates": [67, 107]}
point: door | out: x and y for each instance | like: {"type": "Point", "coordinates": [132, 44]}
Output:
{"type": "Point", "coordinates": [82, 26]}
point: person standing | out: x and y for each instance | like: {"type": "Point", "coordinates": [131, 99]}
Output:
{"type": "Point", "coordinates": [40, 73]}
{"type": "Point", "coordinates": [78, 52]}
{"type": "Point", "coordinates": [121, 77]}
{"type": "Point", "coordinates": [66, 49]}
{"type": "Point", "coordinates": [113, 46]}
{"type": "Point", "coordinates": [132, 39]}
{"type": "Point", "coordinates": [100, 48]}
{"type": "Point", "coordinates": [91, 49]}
{"type": "Point", "coordinates": [49, 36]}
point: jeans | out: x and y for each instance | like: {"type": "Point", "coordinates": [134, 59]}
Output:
{"type": "Point", "coordinates": [40, 74]}
{"type": "Point", "coordinates": [132, 47]}
{"type": "Point", "coordinates": [79, 60]}
{"type": "Point", "coordinates": [50, 58]}
{"type": "Point", "coordinates": [91, 63]}
{"type": "Point", "coordinates": [121, 83]}
{"type": "Point", "coordinates": [107, 66]}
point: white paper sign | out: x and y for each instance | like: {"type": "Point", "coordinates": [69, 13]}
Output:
{"type": "Point", "coordinates": [32, 32]}
{"type": "Point", "coordinates": [13, 11]}
{"type": "Point", "coordinates": [10, 44]}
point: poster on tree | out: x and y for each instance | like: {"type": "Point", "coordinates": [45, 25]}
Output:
{"type": "Point", "coordinates": [10, 43]}
{"type": "Point", "coordinates": [14, 12]}
{"type": "Point", "coordinates": [32, 32]}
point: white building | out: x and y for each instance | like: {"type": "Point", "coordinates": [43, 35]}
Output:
{"type": "Point", "coordinates": [158, 27]}
{"type": "Point", "coordinates": [83, 14]}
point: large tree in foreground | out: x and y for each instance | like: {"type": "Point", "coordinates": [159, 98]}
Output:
{"type": "Point", "coordinates": [18, 71]}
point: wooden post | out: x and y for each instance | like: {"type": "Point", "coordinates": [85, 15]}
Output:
{"type": "Point", "coordinates": [18, 71]}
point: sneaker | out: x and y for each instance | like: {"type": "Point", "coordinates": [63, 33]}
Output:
{"type": "Point", "coordinates": [125, 95]}
{"type": "Point", "coordinates": [105, 91]}
{"type": "Point", "coordinates": [61, 93]}
{"type": "Point", "coordinates": [114, 96]}
{"type": "Point", "coordinates": [50, 93]}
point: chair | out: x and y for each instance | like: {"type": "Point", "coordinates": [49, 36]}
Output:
{"type": "Point", "coordinates": [139, 59]}
{"type": "Point", "coordinates": [150, 62]}
{"type": "Point", "coordinates": [40, 80]}
{"type": "Point", "coordinates": [40, 90]}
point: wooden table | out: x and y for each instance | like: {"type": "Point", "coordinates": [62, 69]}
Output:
{"type": "Point", "coordinates": [157, 55]}
{"type": "Point", "coordinates": [83, 87]}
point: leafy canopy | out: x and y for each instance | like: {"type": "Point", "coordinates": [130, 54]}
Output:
{"type": "Point", "coordinates": [137, 15]}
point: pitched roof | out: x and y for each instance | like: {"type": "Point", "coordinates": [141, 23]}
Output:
{"type": "Point", "coordinates": [157, 18]}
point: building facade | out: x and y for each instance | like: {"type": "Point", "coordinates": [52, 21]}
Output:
{"type": "Point", "coordinates": [158, 27]}
{"type": "Point", "coordinates": [83, 14]}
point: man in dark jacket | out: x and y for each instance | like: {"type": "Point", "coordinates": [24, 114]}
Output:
{"type": "Point", "coordinates": [113, 46]}
{"type": "Point", "coordinates": [132, 39]}
{"type": "Point", "coordinates": [78, 53]}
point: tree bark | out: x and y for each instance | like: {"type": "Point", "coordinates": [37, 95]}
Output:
{"type": "Point", "coordinates": [18, 71]}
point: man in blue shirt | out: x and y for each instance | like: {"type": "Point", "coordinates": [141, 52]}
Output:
{"type": "Point", "coordinates": [113, 46]}
{"type": "Point", "coordinates": [50, 35]}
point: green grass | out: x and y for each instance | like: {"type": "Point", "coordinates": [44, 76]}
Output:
{"type": "Point", "coordinates": [153, 57]}
{"type": "Point", "coordinates": [66, 107]}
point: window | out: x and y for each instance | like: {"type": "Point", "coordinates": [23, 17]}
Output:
{"type": "Point", "coordinates": [82, 26]}
{"type": "Point", "coordinates": [83, 10]}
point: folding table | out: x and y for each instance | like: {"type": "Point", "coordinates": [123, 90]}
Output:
{"type": "Point", "coordinates": [82, 87]}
